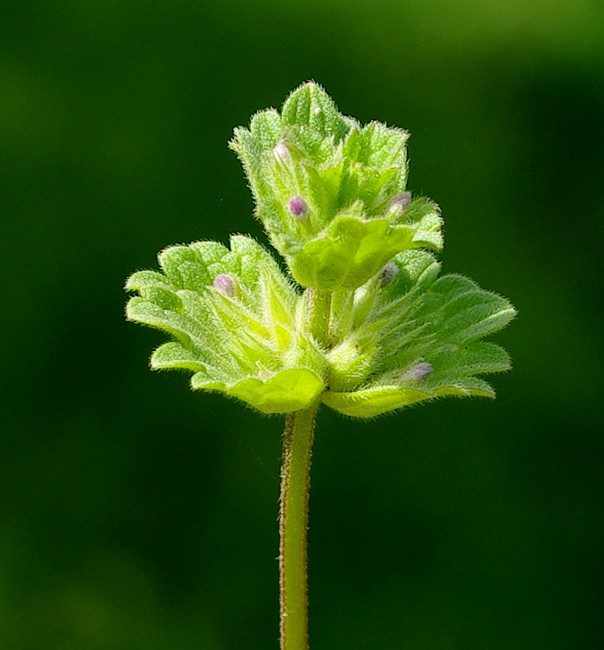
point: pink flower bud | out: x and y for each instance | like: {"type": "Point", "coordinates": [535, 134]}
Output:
{"type": "Point", "coordinates": [400, 202]}
{"type": "Point", "coordinates": [224, 283]}
{"type": "Point", "coordinates": [388, 273]}
{"type": "Point", "coordinates": [419, 371]}
{"type": "Point", "coordinates": [298, 207]}
{"type": "Point", "coordinates": [281, 152]}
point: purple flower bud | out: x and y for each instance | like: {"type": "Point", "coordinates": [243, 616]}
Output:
{"type": "Point", "coordinates": [298, 207]}
{"type": "Point", "coordinates": [400, 202]}
{"type": "Point", "coordinates": [418, 372]}
{"type": "Point", "coordinates": [281, 152]}
{"type": "Point", "coordinates": [388, 273]}
{"type": "Point", "coordinates": [224, 283]}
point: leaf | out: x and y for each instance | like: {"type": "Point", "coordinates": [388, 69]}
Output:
{"type": "Point", "coordinates": [369, 402]}
{"type": "Point", "coordinates": [180, 326]}
{"type": "Point", "coordinates": [349, 252]}
{"type": "Point", "coordinates": [162, 297]}
{"type": "Point", "coordinates": [383, 147]}
{"type": "Point", "coordinates": [176, 356]}
{"type": "Point", "coordinates": [427, 331]}
{"type": "Point", "coordinates": [332, 197]}
{"type": "Point", "coordinates": [265, 128]}
{"type": "Point", "coordinates": [424, 215]}
{"type": "Point", "coordinates": [244, 343]}
{"type": "Point", "coordinates": [144, 279]}
{"type": "Point", "coordinates": [290, 390]}
{"type": "Point", "coordinates": [310, 106]}
{"type": "Point", "coordinates": [468, 387]}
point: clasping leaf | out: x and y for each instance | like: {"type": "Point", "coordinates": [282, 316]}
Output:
{"type": "Point", "coordinates": [231, 315]}
{"type": "Point", "coordinates": [424, 334]}
{"type": "Point", "coordinates": [331, 193]}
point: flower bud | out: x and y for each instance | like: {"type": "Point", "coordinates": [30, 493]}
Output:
{"type": "Point", "coordinates": [388, 273]}
{"type": "Point", "coordinates": [418, 371]}
{"type": "Point", "coordinates": [281, 152]}
{"type": "Point", "coordinates": [224, 283]}
{"type": "Point", "coordinates": [400, 202]}
{"type": "Point", "coordinates": [298, 207]}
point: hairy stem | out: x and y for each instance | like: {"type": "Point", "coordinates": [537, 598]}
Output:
{"type": "Point", "coordinates": [319, 312]}
{"type": "Point", "coordinates": [295, 487]}
{"type": "Point", "coordinates": [293, 527]}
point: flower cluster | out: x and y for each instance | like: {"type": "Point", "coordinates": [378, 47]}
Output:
{"type": "Point", "coordinates": [332, 193]}
{"type": "Point", "coordinates": [332, 197]}
{"type": "Point", "coordinates": [231, 314]}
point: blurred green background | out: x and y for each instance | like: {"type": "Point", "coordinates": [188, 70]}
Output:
{"type": "Point", "coordinates": [135, 514]}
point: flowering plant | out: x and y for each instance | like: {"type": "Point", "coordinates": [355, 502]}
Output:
{"type": "Point", "coordinates": [362, 322]}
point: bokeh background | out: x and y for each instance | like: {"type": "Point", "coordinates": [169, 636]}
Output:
{"type": "Point", "coordinates": [135, 514]}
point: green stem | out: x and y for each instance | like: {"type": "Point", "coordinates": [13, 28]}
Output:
{"type": "Point", "coordinates": [293, 527]}
{"type": "Point", "coordinates": [295, 487]}
{"type": "Point", "coordinates": [319, 313]}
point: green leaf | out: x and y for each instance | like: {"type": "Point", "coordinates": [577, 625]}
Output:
{"type": "Point", "coordinates": [265, 129]}
{"type": "Point", "coordinates": [176, 356]}
{"type": "Point", "coordinates": [332, 197]}
{"type": "Point", "coordinates": [484, 357]}
{"type": "Point", "coordinates": [424, 216]}
{"type": "Point", "coordinates": [344, 173]}
{"type": "Point", "coordinates": [383, 147]}
{"type": "Point", "coordinates": [426, 331]}
{"type": "Point", "coordinates": [467, 387]}
{"type": "Point", "coordinates": [411, 271]}
{"type": "Point", "coordinates": [310, 106]}
{"type": "Point", "coordinates": [349, 253]}
{"type": "Point", "coordinates": [239, 335]}
{"type": "Point", "coordinates": [171, 259]}
{"type": "Point", "coordinates": [290, 390]}
{"type": "Point", "coordinates": [162, 297]}
{"type": "Point", "coordinates": [182, 327]}
{"type": "Point", "coordinates": [144, 279]}
{"type": "Point", "coordinates": [374, 401]}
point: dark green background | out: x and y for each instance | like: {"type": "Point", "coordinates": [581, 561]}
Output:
{"type": "Point", "coordinates": [135, 514]}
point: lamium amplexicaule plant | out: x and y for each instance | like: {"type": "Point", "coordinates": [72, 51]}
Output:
{"type": "Point", "coordinates": [361, 322]}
